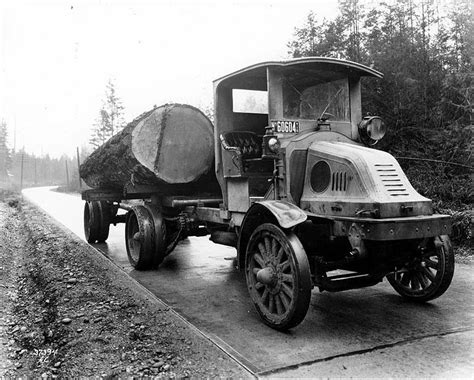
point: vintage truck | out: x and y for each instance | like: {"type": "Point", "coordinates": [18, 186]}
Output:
{"type": "Point", "coordinates": [300, 193]}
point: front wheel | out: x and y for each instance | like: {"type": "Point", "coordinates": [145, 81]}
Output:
{"type": "Point", "coordinates": [278, 276]}
{"type": "Point", "coordinates": [428, 272]}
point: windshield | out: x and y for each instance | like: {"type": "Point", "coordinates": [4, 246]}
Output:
{"type": "Point", "coordinates": [309, 103]}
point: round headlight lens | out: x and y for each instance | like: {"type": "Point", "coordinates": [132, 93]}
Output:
{"type": "Point", "coordinates": [273, 144]}
{"type": "Point", "coordinates": [372, 129]}
{"type": "Point", "coordinates": [376, 129]}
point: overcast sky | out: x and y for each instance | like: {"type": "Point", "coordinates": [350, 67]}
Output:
{"type": "Point", "coordinates": [57, 56]}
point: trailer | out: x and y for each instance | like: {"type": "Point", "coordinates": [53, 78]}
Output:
{"type": "Point", "coordinates": [298, 190]}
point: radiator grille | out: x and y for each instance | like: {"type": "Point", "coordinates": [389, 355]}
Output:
{"type": "Point", "coordinates": [339, 181]}
{"type": "Point", "coordinates": [391, 180]}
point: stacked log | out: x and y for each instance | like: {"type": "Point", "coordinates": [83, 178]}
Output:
{"type": "Point", "coordinates": [171, 146]}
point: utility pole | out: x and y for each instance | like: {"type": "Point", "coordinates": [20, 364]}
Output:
{"type": "Point", "coordinates": [67, 174]}
{"type": "Point", "coordinates": [78, 165]}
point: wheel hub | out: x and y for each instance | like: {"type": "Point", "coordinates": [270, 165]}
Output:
{"type": "Point", "coordinates": [267, 276]}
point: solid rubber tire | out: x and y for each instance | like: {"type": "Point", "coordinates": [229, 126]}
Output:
{"type": "Point", "coordinates": [142, 217]}
{"type": "Point", "coordinates": [105, 219]}
{"type": "Point", "coordinates": [91, 222]}
{"type": "Point", "coordinates": [159, 226]}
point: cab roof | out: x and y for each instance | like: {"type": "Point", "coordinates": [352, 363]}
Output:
{"type": "Point", "coordinates": [255, 76]}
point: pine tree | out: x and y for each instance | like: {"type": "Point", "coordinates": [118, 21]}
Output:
{"type": "Point", "coordinates": [101, 129]}
{"type": "Point", "coordinates": [110, 119]}
{"type": "Point", "coordinates": [351, 16]}
{"type": "Point", "coordinates": [113, 108]}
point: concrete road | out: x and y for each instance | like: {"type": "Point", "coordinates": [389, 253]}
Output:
{"type": "Point", "coordinates": [368, 332]}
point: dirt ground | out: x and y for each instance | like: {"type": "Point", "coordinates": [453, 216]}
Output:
{"type": "Point", "coordinates": [69, 313]}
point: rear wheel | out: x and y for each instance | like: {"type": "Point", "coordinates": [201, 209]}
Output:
{"type": "Point", "coordinates": [97, 218]}
{"type": "Point", "coordinates": [428, 272]}
{"type": "Point", "coordinates": [160, 247]}
{"type": "Point", "coordinates": [278, 276]}
{"type": "Point", "coordinates": [91, 222]}
{"type": "Point", "coordinates": [139, 238]}
{"type": "Point", "coordinates": [105, 216]}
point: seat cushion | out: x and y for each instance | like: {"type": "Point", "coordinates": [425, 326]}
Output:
{"type": "Point", "coordinates": [249, 143]}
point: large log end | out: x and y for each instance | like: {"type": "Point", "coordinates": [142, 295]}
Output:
{"type": "Point", "coordinates": [175, 142]}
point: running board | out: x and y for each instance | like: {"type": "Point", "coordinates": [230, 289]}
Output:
{"type": "Point", "coordinates": [346, 282]}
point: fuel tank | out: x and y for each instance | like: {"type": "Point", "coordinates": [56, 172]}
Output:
{"type": "Point", "coordinates": [343, 179]}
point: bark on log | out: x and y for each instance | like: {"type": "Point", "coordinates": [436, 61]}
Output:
{"type": "Point", "coordinates": [171, 146]}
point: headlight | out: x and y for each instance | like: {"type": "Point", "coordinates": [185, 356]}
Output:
{"type": "Point", "coordinates": [371, 130]}
{"type": "Point", "coordinates": [273, 144]}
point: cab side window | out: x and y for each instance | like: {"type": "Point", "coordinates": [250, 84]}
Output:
{"type": "Point", "coordinates": [250, 101]}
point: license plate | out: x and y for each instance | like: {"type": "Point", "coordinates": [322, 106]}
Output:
{"type": "Point", "coordinates": [285, 126]}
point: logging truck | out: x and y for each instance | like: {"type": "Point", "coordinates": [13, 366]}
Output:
{"type": "Point", "coordinates": [287, 175]}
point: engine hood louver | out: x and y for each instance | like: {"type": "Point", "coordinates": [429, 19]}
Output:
{"type": "Point", "coordinates": [391, 180]}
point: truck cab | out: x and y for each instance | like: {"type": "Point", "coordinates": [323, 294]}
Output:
{"type": "Point", "coordinates": [291, 105]}
{"type": "Point", "coordinates": [294, 131]}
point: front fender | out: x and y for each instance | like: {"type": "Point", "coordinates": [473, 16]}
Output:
{"type": "Point", "coordinates": [282, 213]}
{"type": "Point", "coordinates": [287, 214]}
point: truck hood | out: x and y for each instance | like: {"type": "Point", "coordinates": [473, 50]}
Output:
{"type": "Point", "coordinates": [361, 182]}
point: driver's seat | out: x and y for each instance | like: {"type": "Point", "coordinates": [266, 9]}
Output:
{"type": "Point", "coordinates": [245, 150]}
{"type": "Point", "coordinates": [249, 144]}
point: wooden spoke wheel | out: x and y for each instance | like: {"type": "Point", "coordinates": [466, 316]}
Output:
{"type": "Point", "coordinates": [428, 272]}
{"type": "Point", "coordinates": [140, 238]}
{"type": "Point", "coordinates": [278, 276]}
{"type": "Point", "coordinates": [91, 222]}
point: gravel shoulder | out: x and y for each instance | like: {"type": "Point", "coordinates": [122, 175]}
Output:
{"type": "Point", "coordinates": [69, 312]}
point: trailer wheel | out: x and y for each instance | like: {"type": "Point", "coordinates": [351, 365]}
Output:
{"type": "Point", "coordinates": [105, 212]}
{"type": "Point", "coordinates": [278, 276]}
{"type": "Point", "coordinates": [91, 221]}
{"type": "Point", "coordinates": [139, 238]}
{"type": "Point", "coordinates": [159, 225]}
{"type": "Point", "coordinates": [428, 273]}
